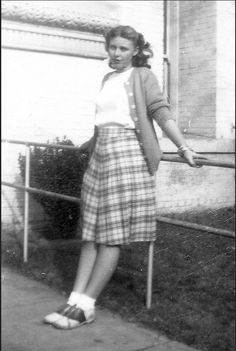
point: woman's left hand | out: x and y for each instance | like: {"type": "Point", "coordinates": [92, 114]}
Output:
{"type": "Point", "coordinates": [190, 157]}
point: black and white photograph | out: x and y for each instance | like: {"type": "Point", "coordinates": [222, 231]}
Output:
{"type": "Point", "coordinates": [118, 175]}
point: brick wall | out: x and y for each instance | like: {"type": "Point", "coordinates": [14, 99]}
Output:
{"type": "Point", "coordinates": [44, 96]}
{"type": "Point", "coordinates": [225, 102]}
{"type": "Point", "coordinates": [47, 96]}
{"type": "Point", "coordinates": [182, 188]}
{"type": "Point", "coordinates": [12, 205]}
{"type": "Point", "coordinates": [197, 67]}
{"type": "Point", "coordinates": [206, 108]}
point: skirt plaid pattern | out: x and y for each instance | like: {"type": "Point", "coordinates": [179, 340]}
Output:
{"type": "Point", "coordinates": [118, 193]}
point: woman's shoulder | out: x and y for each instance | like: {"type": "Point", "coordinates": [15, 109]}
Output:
{"type": "Point", "coordinates": [145, 73]}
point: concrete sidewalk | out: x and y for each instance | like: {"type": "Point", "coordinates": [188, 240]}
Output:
{"type": "Point", "coordinates": [25, 302]}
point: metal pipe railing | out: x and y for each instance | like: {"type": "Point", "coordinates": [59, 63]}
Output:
{"type": "Point", "coordinates": [167, 220]}
{"type": "Point", "coordinates": [150, 274]}
{"type": "Point", "coordinates": [199, 162]}
{"type": "Point", "coordinates": [32, 143]}
{"type": "Point", "coordinates": [26, 205]}
{"type": "Point", "coordinates": [201, 227]}
{"type": "Point", "coordinates": [165, 157]}
{"type": "Point", "coordinates": [42, 192]}
{"type": "Point", "coordinates": [70, 147]}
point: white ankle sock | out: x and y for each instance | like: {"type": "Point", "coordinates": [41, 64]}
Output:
{"type": "Point", "coordinates": [86, 303]}
{"type": "Point", "coordinates": [74, 298]}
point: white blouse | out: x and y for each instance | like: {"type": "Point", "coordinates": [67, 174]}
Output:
{"type": "Point", "coordinates": [112, 104]}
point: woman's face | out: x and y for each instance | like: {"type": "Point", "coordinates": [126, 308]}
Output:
{"type": "Point", "coordinates": [121, 52]}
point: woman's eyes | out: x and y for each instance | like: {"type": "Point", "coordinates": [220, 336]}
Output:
{"type": "Point", "coordinates": [114, 48]}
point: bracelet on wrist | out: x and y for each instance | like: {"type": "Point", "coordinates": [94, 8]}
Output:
{"type": "Point", "coordinates": [181, 150]}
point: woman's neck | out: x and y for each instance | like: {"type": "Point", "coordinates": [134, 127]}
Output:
{"type": "Point", "coordinates": [123, 70]}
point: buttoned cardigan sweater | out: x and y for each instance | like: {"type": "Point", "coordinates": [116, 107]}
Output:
{"type": "Point", "coordinates": [146, 103]}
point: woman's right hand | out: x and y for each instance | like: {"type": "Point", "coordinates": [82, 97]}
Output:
{"type": "Point", "coordinates": [190, 156]}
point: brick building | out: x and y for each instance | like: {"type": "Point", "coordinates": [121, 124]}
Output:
{"type": "Point", "coordinates": [53, 59]}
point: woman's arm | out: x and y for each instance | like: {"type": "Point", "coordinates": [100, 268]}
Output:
{"type": "Point", "coordinates": [159, 109]}
{"type": "Point", "coordinates": [89, 145]}
{"type": "Point", "coordinates": [172, 131]}
{"type": "Point", "coordinates": [86, 146]}
{"type": "Point", "coordinates": [174, 134]}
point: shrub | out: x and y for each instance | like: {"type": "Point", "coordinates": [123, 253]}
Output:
{"type": "Point", "coordinates": [61, 171]}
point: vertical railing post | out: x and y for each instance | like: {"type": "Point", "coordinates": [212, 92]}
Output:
{"type": "Point", "coordinates": [150, 274]}
{"type": "Point", "coordinates": [26, 208]}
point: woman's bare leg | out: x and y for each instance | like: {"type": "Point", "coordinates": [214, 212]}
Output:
{"type": "Point", "coordinates": [104, 267]}
{"type": "Point", "coordinates": [86, 264]}
{"type": "Point", "coordinates": [96, 267]}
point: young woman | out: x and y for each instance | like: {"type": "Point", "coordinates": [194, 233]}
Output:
{"type": "Point", "coordinates": [118, 192]}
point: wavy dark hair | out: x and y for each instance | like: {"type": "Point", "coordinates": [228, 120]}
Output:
{"type": "Point", "coordinates": [127, 32]}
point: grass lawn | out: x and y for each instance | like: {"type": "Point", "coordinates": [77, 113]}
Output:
{"type": "Point", "coordinates": [193, 282]}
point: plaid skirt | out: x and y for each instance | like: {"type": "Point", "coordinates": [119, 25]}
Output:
{"type": "Point", "coordinates": [118, 193]}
